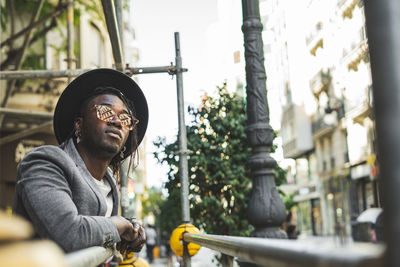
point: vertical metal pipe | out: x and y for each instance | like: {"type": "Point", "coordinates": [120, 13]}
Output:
{"type": "Point", "coordinates": [124, 174]}
{"type": "Point", "coordinates": [382, 20]}
{"type": "Point", "coordinates": [120, 21]}
{"type": "Point", "coordinates": [183, 163]}
{"type": "Point", "coordinates": [124, 190]}
{"type": "Point", "coordinates": [70, 35]}
{"type": "Point", "coordinates": [266, 210]}
{"type": "Point", "coordinates": [115, 35]}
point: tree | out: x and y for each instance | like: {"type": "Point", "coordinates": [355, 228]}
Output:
{"type": "Point", "coordinates": [219, 178]}
{"type": "Point", "coordinates": [15, 23]}
{"type": "Point", "coordinates": [152, 203]}
{"type": "Point", "coordinates": [15, 13]}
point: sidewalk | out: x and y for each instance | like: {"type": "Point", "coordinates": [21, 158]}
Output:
{"type": "Point", "coordinates": [202, 259]}
{"type": "Point", "coordinates": [160, 262]}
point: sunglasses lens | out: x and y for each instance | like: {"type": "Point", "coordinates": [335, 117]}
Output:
{"type": "Point", "coordinates": [105, 113]}
{"type": "Point", "coordinates": [125, 119]}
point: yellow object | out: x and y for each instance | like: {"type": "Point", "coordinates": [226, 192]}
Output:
{"type": "Point", "coordinates": [156, 252]}
{"type": "Point", "coordinates": [32, 254]}
{"type": "Point", "coordinates": [371, 159]}
{"type": "Point", "coordinates": [14, 228]}
{"type": "Point", "coordinates": [176, 239]}
{"type": "Point", "coordinates": [130, 260]}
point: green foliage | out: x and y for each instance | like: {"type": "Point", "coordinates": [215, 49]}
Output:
{"type": "Point", "coordinates": [33, 61]}
{"type": "Point", "coordinates": [152, 204]}
{"type": "Point", "coordinates": [92, 7]}
{"type": "Point", "coordinates": [289, 202]}
{"type": "Point", "coordinates": [220, 181]}
{"type": "Point", "coordinates": [3, 17]}
{"type": "Point", "coordinates": [23, 11]}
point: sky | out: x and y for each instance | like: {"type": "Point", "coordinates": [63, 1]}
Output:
{"type": "Point", "coordinates": [209, 31]}
{"type": "Point", "coordinates": [155, 22]}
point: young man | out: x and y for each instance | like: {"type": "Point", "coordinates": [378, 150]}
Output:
{"type": "Point", "coordinates": [69, 192]}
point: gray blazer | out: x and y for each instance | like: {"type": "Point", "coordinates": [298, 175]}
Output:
{"type": "Point", "coordinates": [58, 195]}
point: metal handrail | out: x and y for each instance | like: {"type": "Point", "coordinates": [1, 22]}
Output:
{"type": "Point", "coordinates": [88, 257]}
{"type": "Point", "coordinates": [279, 252]}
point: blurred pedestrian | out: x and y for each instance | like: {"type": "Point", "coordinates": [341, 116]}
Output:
{"type": "Point", "coordinates": [291, 228]}
{"type": "Point", "coordinates": [151, 241]}
{"type": "Point", "coordinates": [69, 192]}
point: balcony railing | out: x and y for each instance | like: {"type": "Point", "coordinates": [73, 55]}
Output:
{"type": "Point", "coordinates": [320, 82]}
{"type": "Point", "coordinates": [320, 126]}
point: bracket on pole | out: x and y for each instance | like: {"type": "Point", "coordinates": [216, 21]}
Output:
{"type": "Point", "coordinates": [171, 70]}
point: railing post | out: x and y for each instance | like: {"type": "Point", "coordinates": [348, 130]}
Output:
{"type": "Point", "coordinates": [266, 211]}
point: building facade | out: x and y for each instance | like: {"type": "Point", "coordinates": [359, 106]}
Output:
{"type": "Point", "coordinates": [25, 120]}
{"type": "Point", "coordinates": [318, 58]}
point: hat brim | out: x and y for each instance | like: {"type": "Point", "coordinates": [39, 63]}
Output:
{"type": "Point", "coordinates": [76, 92]}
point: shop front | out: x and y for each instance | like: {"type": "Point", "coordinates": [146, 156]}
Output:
{"type": "Point", "coordinates": [364, 195]}
{"type": "Point", "coordinates": [308, 210]}
{"type": "Point", "coordinates": [337, 202]}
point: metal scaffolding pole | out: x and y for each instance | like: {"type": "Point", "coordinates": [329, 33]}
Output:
{"type": "Point", "coordinates": [46, 74]}
{"type": "Point", "coordinates": [37, 74]}
{"type": "Point", "coordinates": [112, 26]}
{"type": "Point", "coordinates": [120, 22]}
{"type": "Point", "coordinates": [70, 35]}
{"type": "Point", "coordinates": [124, 175]}
{"type": "Point", "coordinates": [382, 20]}
{"type": "Point", "coordinates": [183, 162]}
{"type": "Point", "coordinates": [148, 70]}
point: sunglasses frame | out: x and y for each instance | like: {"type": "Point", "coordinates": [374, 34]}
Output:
{"type": "Point", "coordinates": [134, 121]}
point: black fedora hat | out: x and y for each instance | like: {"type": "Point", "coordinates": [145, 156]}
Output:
{"type": "Point", "coordinates": [77, 91]}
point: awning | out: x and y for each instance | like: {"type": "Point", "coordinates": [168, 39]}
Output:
{"type": "Point", "coordinates": [369, 215]}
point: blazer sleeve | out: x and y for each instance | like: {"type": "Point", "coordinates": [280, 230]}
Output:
{"type": "Point", "coordinates": [44, 193]}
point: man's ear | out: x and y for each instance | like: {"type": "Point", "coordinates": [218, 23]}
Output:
{"type": "Point", "coordinates": [78, 123]}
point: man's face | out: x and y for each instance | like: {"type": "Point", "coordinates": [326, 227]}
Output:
{"type": "Point", "coordinates": [105, 138]}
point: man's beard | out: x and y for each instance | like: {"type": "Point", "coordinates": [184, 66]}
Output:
{"type": "Point", "coordinates": [107, 149]}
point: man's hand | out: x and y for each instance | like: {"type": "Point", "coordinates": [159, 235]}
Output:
{"type": "Point", "coordinates": [132, 235]}
{"type": "Point", "coordinates": [125, 228]}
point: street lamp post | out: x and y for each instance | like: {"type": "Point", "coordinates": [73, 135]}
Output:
{"type": "Point", "coordinates": [266, 211]}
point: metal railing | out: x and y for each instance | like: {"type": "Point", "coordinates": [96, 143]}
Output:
{"type": "Point", "coordinates": [88, 257]}
{"type": "Point", "coordinates": [279, 252]}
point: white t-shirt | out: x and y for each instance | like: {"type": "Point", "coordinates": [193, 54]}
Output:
{"type": "Point", "coordinates": [151, 236]}
{"type": "Point", "coordinates": [105, 189]}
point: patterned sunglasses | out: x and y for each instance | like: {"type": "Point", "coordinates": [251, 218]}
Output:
{"type": "Point", "coordinates": [107, 114]}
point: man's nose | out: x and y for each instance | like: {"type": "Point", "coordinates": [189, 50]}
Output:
{"type": "Point", "coordinates": [116, 120]}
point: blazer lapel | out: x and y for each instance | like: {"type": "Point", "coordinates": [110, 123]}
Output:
{"type": "Point", "coordinates": [70, 149]}
{"type": "Point", "coordinates": [111, 180]}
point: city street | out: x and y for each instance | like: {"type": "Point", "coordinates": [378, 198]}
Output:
{"type": "Point", "coordinates": [203, 258]}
